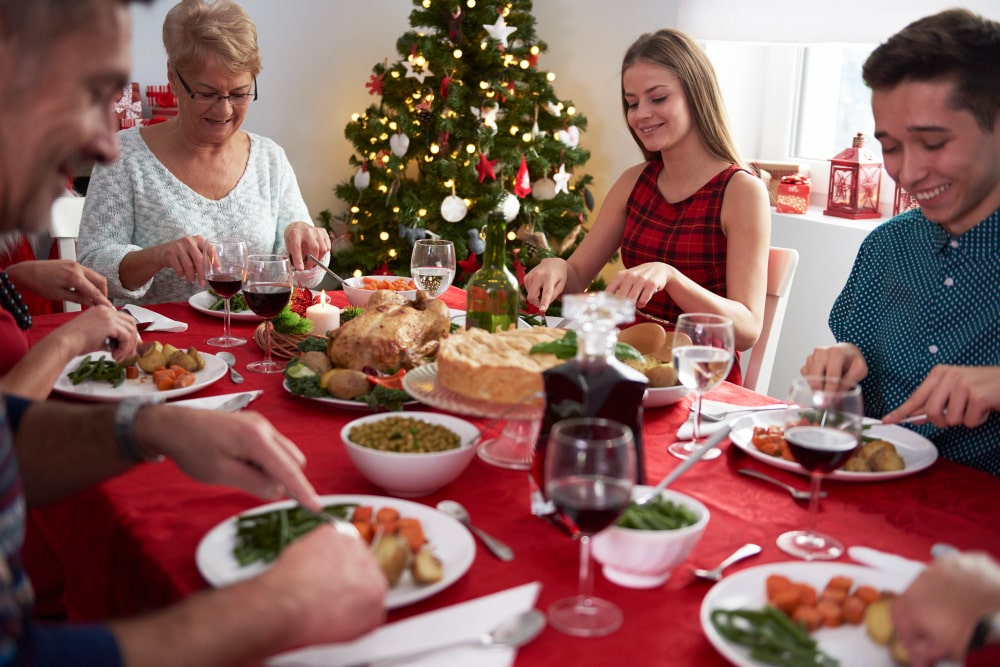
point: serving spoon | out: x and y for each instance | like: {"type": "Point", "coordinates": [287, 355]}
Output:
{"type": "Point", "coordinates": [514, 631]}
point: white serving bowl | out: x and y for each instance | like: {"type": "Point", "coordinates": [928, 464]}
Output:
{"type": "Point", "coordinates": [645, 558]}
{"type": "Point", "coordinates": [357, 296]}
{"type": "Point", "coordinates": [418, 474]}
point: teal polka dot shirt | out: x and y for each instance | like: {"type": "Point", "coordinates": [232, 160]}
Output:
{"type": "Point", "coordinates": [918, 297]}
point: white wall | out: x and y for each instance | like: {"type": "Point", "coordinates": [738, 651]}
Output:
{"type": "Point", "coordinates": [319, 53]}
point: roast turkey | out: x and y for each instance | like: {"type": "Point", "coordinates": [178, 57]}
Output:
{"type": "Point", "coordinates": [392, 333]}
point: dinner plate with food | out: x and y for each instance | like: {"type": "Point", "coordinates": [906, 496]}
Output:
{"type": "Point", "coordinates": [205, 302]}
{"type": "Point", "coordinates": [421, 550]}
{"type": "Point", "coordinates": [886, 451]}
{"type": "Point", "coordinates": [97, 377]}
{"type": "Point", "coordinates": [847, 605]}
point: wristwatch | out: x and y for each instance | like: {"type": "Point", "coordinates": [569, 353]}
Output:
{"type": "Point", "coordinates": [987, 632]}
{"type": "Point", "coordinates": [125, 415]}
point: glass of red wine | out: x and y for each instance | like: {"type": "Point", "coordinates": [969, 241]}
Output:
{"type": "Point", "coordinates": [589, 474]}
{"type": "Point", "coordinates": [822, 431]}
{"type": "Point", "coordinates": [267, 289]}
{"type": "Point", "coordinates": [223, 265]}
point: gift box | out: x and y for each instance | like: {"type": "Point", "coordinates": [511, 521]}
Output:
{"type": "Point", "coordinates": [160, 97]}
{"type": "Point", "coordinates": [778, 170]}
{"type": "Point", "coordinates": [128, 107]}
{"type": "Point", "coordinates": [793, 194]}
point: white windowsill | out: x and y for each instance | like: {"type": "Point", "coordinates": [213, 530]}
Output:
{"type": "Point", "coordinates": [814, 214]}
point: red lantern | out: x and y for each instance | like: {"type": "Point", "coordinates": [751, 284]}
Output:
{"type": "Point", "coordinates": [903, 201]}
{"type": "Point", "coordinates": [855, 181]}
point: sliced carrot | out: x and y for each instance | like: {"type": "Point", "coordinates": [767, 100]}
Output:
{"type": "Point", "coordinates": [184, 379]}
{"type": "Point", "coordinates": [362, 513]}
{"type": "Point", "coordinates": [867, 593]}
{"type": "Point", "coordinates": [854, 610]}
{"type": "Point", "coordinates": [787, 599]}
{"type": "Point", "coordinates": [412, 531]}
{"type": "Point", "coordinates": [842, 582]}
{"type": "Point", "coordinates": [831, 613]}
{"type": "Point", "coordinates": [366, 529]}
{"type": "Point", "coordinates": [809, 617]}
{"type": "Point", "coordinates": [775, 583]}
{"type": "Point", "coordinates": [807, 594]}
{"type": "Point", "coordinates": [837, 595]}
{"type": "Point", "coordinates": [394, 381]}
{"type": "Point", "coordinates": [386, 515]}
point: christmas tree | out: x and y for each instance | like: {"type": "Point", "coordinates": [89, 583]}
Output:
{"type": "Point", "coordinates": [466, 124]}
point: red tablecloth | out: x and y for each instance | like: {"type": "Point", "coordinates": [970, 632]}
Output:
{"type": "Point", "coordinates": [128, 545]}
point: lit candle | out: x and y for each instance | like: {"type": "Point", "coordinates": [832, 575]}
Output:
{"type": "Point", "coordinates": [324, 315]}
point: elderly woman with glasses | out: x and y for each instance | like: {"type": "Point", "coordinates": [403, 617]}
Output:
{"type": "Point", "coordinates": [197, 176]}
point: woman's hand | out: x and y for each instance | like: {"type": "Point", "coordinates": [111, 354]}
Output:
{"type": "Point", "coordinates": [545, 282]}
{"type": "Point", "coordinates": [60, 280]}
{"type": "Point", "coordinates": [303, 239]}
{"type": "Point", "coordinates": [640, 283]}
{"type": "Point", "coordinates": [183, 257]}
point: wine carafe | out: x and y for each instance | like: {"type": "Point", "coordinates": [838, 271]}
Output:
{"type": "Point", "coordinates": [594, 384]}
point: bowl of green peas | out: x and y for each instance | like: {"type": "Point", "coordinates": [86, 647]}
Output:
{"type": "Point", "coordinates": [648, 541]}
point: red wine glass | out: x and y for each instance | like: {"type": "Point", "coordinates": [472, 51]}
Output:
{"type": "Point", "coordinates": [223, 265]}
{"type": "Point", "coordinates": [589, 474]}
{"type": "Point", "coordinates": [267, 290]}
{"type": "Point", "coordinates": [822, 431]}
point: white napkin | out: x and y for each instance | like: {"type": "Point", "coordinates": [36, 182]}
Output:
{"type": "Point", "coordinates": [882, 560]}
{"type": "Point", "coordinates": [157, 322]}
{"type": "Point", "coordinates": [686, 431]}
{"type": "Point", "coordinates": [466, 620]}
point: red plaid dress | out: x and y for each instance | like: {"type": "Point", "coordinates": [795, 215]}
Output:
{"type": "Point", "coordinates": [688, 235]}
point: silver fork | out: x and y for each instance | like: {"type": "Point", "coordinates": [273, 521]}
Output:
{"type": "Point", "coordinates": [725, 414]}
{"type": "Point", "coordinates": [798, 494]}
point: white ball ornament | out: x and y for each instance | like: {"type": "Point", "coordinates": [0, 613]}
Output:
{"type": "Point", "coordinates": [362, 178]}
{"type": "Point", "coordinates": [399, 143]}
{"type": "Point", "coordinates": [509, 206]}
{"type": "Point", "coordinates": [453, 209]}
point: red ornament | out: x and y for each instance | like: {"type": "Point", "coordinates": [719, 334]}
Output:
{"type": "Point", "coordinates": [485, 168]}
{"type": "Point", "coordinates": [382, 270]}
{"type": "Point", "coordinates": [374, 84]}
{"type": "Point", "coordinates": [522, 183]}
{"type": "Point", "coordinates": [303, 299]}
{"type": "Point", "coordinates": [445, 82]}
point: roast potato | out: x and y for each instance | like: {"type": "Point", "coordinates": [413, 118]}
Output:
{"type": "Point", "coordinates": [345, 383]}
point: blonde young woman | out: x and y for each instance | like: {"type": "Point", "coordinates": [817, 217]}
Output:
{"type": "Point", "coordinates": [692, 223]}
{"type": "Point", "coordinates": [197, 176]}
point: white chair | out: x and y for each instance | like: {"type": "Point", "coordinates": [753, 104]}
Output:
{"type": "Point", "coordinates": [758, 362]}
{"type": "Point", "coordinates": [64, 229]}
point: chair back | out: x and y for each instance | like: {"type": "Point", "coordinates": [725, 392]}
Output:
{"type": "Point", "coordinates": [759, 362]}
{"type": "Point", "coordinates": [64, 229]}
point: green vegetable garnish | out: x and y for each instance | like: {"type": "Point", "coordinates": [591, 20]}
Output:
{"type": "Point", "coordinates": [657, 514]}
{"type": "Point", "coordinates": [236, 303]}
{"type": "Point", "coordinates": [262, 537]}
{"type": "Point", "coordinates": [565, 348]}
{"type": "Point", "coordinates": [773, 638]}
{"type": "Point", "coordinates": [349, 313]}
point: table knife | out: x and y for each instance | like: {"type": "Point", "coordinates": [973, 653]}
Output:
{"type": "Point", "coordinates": [238, 402]}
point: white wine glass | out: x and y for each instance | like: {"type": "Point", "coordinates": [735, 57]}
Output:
{"type": "Point", "coordinates": [223, 266]}
{"type": "Point", "coordinates": [589, 475]}
{"type": "Point", "coordinates": [432, 266]}
{"type": "Point", "coordinates": [703, 355]}
{"type": "Point", "coordinates": [822, 429]}
{"type": "Point", "coordinates": [267, 289]}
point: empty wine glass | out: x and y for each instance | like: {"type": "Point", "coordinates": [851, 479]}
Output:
{"type": "Point", "coordinates": [223, 265]}
{"type": "Point", "coordinates": [589, 474]}
{"type": "Point", "coordinates": [432, 265]}
{"type": "Point", "coordinates": [702, 355]}
{"type": "Point", "coordinates": [267, 290]}
{"type": "Point", "coordinates": [822, 430]}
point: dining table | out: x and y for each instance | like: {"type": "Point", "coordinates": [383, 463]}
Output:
{"type": "Point", "coordinates": [128, 545]}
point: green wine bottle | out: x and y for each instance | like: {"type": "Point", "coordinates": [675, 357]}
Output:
{"type": "Point", "coordinates": [491, 303]}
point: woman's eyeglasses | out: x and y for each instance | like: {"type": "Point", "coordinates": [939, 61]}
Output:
{"type": "Point", "coordinates": [208, 99]}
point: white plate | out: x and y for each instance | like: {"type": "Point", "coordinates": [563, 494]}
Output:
{"type": "Point", "coordinates": [93, 390]}
{"type": "Point", "coordinates": [339, 402]}
{"type": "Point", "coordinates": [203, 302]}
{"type": "Point", "coordinates": [451, 541]}
{"type": "Point", "coordinates": [746, 590]}
{"type": "Point", "coordinates": [656, 397]}
{"type": "Point", "coordinates": [917, 451]}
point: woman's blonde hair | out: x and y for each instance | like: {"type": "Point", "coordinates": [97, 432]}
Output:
{"type": "Point", "coordinates": [680, 54]}
{"type": "Point", "coordinates": [196, 30]}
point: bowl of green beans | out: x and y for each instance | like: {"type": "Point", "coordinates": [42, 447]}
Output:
{"type": "Point", "coordinates": [648, 541]}
{"type": "Point", "coordinates": [410, 454]}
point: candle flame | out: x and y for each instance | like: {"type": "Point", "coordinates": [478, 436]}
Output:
{"type": "Point", "coordinates": [323, 298]}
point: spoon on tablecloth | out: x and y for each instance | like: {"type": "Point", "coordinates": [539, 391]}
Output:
{"type": "Point", "coordinates": [496, 547]}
